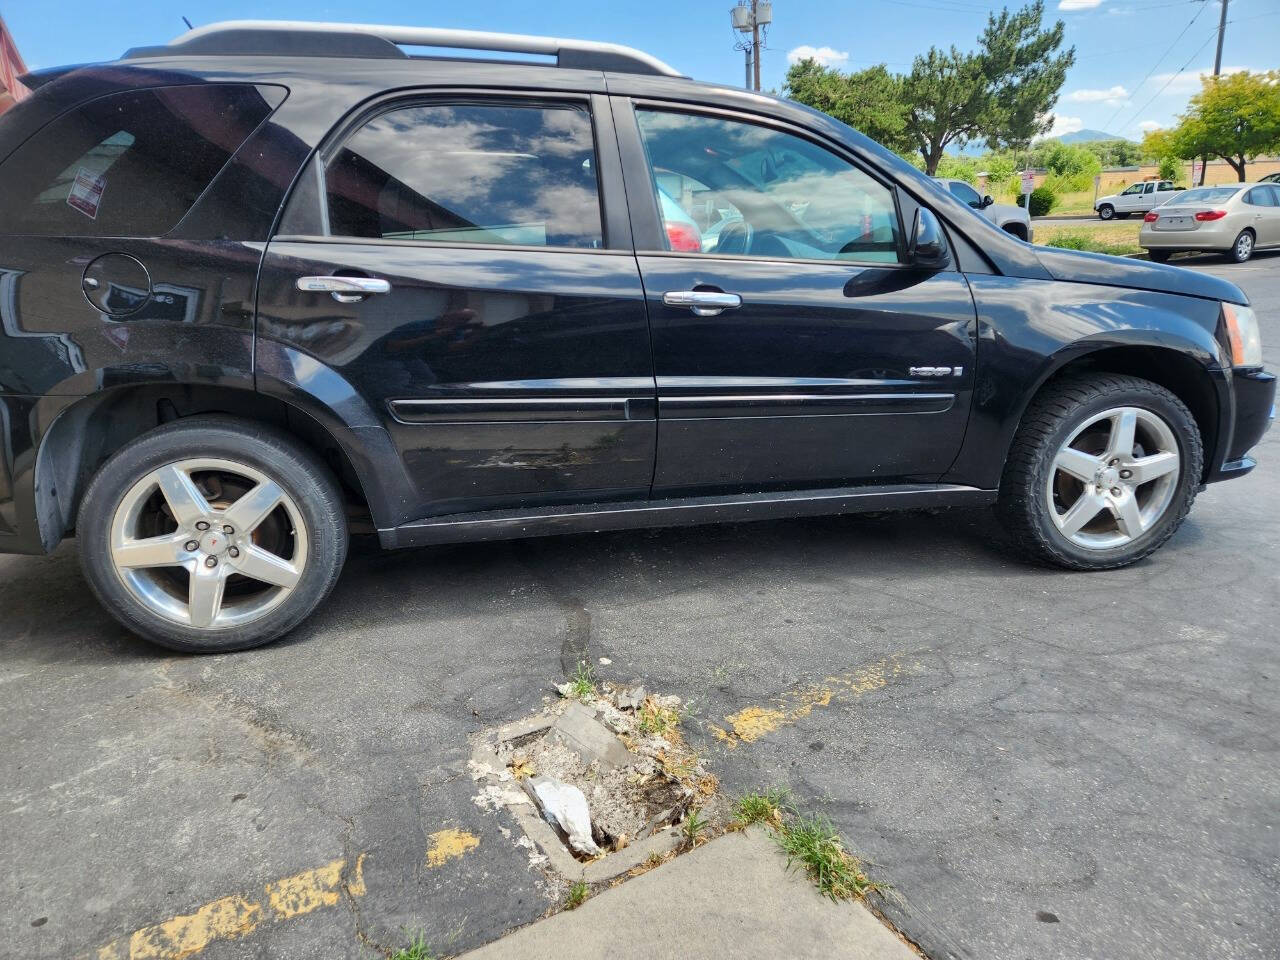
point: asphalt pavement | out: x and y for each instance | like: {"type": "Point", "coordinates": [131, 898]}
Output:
{"type": "Point", "coordinates": [1041, 764]}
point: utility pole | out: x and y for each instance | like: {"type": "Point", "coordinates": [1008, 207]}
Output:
{"type": "Point", "coordinates": [748, 18]}
{"type": "Point", "coordinates": [1217, 71]}
{"type": "Point", "coordinates": [755, 37]}
{"type": "Point", "coordinates": [1222, 29]}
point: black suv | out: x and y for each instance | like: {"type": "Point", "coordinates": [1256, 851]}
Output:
{"type": "Point", "coordinates": [275, 283]}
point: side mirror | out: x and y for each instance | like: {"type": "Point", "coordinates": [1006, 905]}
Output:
{"type": "Point", "coordinates": [986, 202]}
{"type": "Point", "coordinates": [927, 247]}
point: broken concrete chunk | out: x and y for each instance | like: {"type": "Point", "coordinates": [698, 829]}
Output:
{"type": "Point", "coordinates": [631, 699]}
{"type": "Point", "coordinates": [578, 728]}
{"type": "Point", "coordinates": [564, 806]}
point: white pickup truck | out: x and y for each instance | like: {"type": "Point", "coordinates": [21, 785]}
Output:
{"type": "Point", "coordinates": [1009, 218]}
{"type": "Point", "coordinates": [1138, 198]}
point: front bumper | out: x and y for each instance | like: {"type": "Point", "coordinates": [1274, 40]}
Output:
{"type": "Point", "coordinates": [1254, 394]}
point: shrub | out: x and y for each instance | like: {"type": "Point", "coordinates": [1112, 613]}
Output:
{"type": "Point", "coordinates": [958, 168]}
{"type": "Point", "coordinates": [1169, 168]}
{"type": "Point", "coordinates": [1042, 200]}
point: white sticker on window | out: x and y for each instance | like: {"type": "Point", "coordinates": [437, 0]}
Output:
{"type": "Point", "coordinates": [86, 193]}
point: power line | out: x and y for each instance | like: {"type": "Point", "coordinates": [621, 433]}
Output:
{"type": "Point", "coordinates": [1172, 77]}
{"type": "Point", "coordinates": [1203, 6]}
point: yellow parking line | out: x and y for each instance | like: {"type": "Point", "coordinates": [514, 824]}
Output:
{"type": "Point", "coordinates": [230, 918]}
{"type": "Point", "coordinates": [751, 723]}
{"type": "Point", "coordinates": [447, 845]}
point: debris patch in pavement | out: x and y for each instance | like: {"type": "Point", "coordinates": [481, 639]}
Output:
{"type": "Point", "coordinates": [603, 777]}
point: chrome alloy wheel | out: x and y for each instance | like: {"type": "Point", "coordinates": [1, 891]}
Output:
{"type": "Point", "coordinates": [1113, 478]}
{"type": "Point", "coordinates": [208, 543]}
{"type": "Point", "coordinates": [1244, 246]}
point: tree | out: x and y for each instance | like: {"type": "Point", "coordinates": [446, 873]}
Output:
{"type": "Point", "coordinates": [1235, 117]}
{"type": "Point", "coordinates": [870, 100]}
{"type": "Point", "coordinates": [1002, 93]}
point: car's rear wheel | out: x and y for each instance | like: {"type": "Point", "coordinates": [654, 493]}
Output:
{"type": "Point", "coordinates": [1242, 249]}
{"type": "Point", "coordinates": [212, 534]}
{"type": "Point", "coordinates": [1106, 211]}
{"type": "Point", "coordinates": [1101, 473]}
{"type": "Point", "coordinates": [1160, 256]}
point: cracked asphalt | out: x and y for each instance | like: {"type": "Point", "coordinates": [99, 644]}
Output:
{"type": "Point", "coordinates": [1040, 764]}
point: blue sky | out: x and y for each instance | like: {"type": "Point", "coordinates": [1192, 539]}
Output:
{"type": "Point", "coordinates": [1129, 75]}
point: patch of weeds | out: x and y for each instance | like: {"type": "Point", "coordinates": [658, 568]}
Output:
{"type": "Point", "coordinates": [577, 895]}
{"type": "Point", "coordinates": [416, 950]}
{"type": "Point", "coordinates": [583, 682]}
{"type": "Point", "coordinates": [812, 841]}
{"type": "Point", "coordinates": [655, 720]}
{"type": "Point", "coordinates": [763, 807]}
{"type": "Point", "coordinates": [694, 826]}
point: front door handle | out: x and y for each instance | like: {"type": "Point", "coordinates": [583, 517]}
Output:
{"type": "Point", "coordinates": [344, 289]}
{"type": "Point", "coordinates": [703, 303]}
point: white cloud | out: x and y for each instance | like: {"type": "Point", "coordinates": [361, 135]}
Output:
{"type": "Point", "coordinates": [1063, 125]}
{"type": "Point", "coordinates": [1146, 126]}
{"type": "Point", "coordinates": [1186, 83]}
{"type": "Point", "coordinates": [1112, 97]}
{"type": "Point", "coordinates": [827, 56]}
{"type": "Point", "coordinates": [1070, 5]}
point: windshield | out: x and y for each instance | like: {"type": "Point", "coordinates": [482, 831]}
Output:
{"type": "Point", "coordinates": [1207, 195]}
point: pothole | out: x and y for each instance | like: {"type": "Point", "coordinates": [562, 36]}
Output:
{"type": "Point", "coordinates": [601, 781]}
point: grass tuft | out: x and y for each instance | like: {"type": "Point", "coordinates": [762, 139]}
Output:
{"type": "Point", "coordinates": [813, 842]}
{"type": "Point", "coordinates": [763, 807]}
{"type": "Point", "coordinates": [657, 721]}
{"type": "Point", "coordinates": [694, 826]}
{"type": "Point", "coordinates": [577, 895]}
{"type": "Point", "coordinates": [583, 682]}
{"type": "Point", "coordinates": [416, 950]}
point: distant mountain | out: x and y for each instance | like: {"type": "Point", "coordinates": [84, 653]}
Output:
{"type": "Point", "coordinates": [1083, 136]}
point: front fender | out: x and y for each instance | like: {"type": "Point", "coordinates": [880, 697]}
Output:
{"type": "Point", "coordinates": [1031, 330]}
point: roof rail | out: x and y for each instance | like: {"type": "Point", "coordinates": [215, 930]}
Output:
{"type": "Point", "coordinates": [303, 38]}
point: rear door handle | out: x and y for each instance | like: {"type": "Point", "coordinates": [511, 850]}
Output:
{"type": "Point", "coordinates": [344, 289]}
{"type": "Point", "coordinates": [703, 303]}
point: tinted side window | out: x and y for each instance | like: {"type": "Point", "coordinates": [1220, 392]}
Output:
{"type": "Point", "coordinates": [469, 174]}
{"type": "Point", "coordinates": [129, 164]}
{"type": "Point", "coordinates": [792, 198]}
{"type": "Point", "coordinates": [1259, 197]}
{"type": "Point", "coordinates": [965, 193]}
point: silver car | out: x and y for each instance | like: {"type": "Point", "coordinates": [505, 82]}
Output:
{"type": "Point", "coordinates": [1233, 218]}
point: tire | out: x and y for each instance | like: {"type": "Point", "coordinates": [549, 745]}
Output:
{"type": "Point", "coordinates": [290, 556]}
{"type": "Point", "coordinates": [1160, 256]}
{"type": "Point", "coordinates": [1033, 483]}
{"type": "Point", "coordinates": [1122, 216]}
{"type": "Point", "coordinates": [1242, 247]}
{"type": "Point", "coordinates": [1106, 211]}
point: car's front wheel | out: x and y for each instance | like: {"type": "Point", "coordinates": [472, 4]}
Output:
{"type": "Point", "coordinates": [1101, 473]}
{"type": "Point", "coordinates": [212, 534]}
{"type": "Point", "coordinates": [1106, 211]}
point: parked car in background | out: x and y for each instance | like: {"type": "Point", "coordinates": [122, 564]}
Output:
{"type": "Point", "coordinates": [1138, 198]}
{"type": "Point", "coordinates": [1009, 218]}
{"type": "Point", "coordinates": [1236, 219]}
{"type": "Point", "coordinates": [276, 283]}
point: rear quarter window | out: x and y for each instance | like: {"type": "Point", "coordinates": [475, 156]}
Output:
{"type": "Point", "coordinates": [128, 164]}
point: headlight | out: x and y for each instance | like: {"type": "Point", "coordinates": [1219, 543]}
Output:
{"type": "Point", "coordinates": [1243, 335]}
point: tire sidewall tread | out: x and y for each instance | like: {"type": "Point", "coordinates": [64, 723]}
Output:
{"type": "Point", "coordinates": [1053, 414]}
{"type": "Point", "coordinates": [311, 485]}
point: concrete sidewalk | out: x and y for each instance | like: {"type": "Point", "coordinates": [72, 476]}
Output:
{"type": "Point", "coordinates": [733, 897]}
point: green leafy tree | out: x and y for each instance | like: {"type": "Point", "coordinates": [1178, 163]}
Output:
{"type": "Point", "coordinates": [1002, 93]}
{"type": "Point", "coordinates": [1169, 168]}
{"type": "Point", "coordinates": [870, 101]}
{"type": "Point", "coordinates": [1235, 117]}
